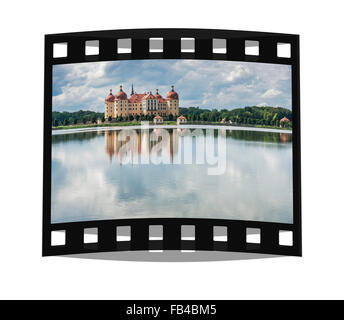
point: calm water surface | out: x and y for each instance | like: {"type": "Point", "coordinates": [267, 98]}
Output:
{"type": "Point", "coordinates": [103, 175]}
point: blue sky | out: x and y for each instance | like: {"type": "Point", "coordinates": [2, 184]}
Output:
{"type": "Point", "coordinates": [199, 83]}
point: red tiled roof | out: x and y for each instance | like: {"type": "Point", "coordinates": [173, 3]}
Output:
{"type": "Point", "coordinates": [148, 96]}
{"type": "Point", "coordinates": [121, 95]}
{"type": "Point", "coordinates": [110, 98]}
{"type": "Point", "coordinates": [157, 117]}
{"type": "Point", "coordinates": [284, 119]}
{"type": "Point", "coordinates": [181, 117]}
{"type": "Point", "coordinates": [172, 95]}
{"type": "Point", "coordinates": [136, 97]}
{"type": "Point", "coordinates": [157, 95]}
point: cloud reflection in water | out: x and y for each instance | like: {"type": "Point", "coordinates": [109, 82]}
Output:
{"type": "Point", "coordinates": [95, 176]}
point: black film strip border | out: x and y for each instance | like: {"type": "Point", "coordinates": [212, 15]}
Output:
{"type": "Point", "coordinates": [235, 51]}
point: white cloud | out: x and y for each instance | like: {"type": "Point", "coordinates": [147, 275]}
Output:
{"type": "Point", "coordinates": [238, 72]}
{"type": "Point", "coordinates": [271, 93]}
{"type": "Point", "coordinates": [203, 83]}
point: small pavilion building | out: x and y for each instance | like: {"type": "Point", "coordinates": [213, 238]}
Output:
{"type": "Point", "coordinates": [181, 120]}
{"type": "Point", "coordinates": [284, 121]}
{"type": "Point", "coordinates": [158, 119]}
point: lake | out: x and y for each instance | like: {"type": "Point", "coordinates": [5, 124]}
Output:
{"type": "Point", "coordinates": [188, 172]}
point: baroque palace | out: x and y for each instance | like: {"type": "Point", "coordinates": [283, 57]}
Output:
{"type": "Point", "coordinates": [141, 104]}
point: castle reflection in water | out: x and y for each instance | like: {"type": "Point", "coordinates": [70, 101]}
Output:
{"type": "Point", "coordinates": [130, 145]}
{"type": "Point", "coordinates": [141, 146]}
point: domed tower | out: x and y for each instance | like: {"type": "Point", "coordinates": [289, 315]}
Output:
{"type": "Point", "coordinates": [173, 102]}
{"type": "Point", "coordinates": [109, 105]}
{"type": "Point", "coordinates": [121, 103]}
{"type": "Point", "coordinates": [157, 95]}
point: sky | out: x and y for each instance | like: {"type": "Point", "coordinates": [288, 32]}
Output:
{"type": "Point", "coordinates": [199, 83]}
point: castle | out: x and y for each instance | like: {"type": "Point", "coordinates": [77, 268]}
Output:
{"type": "Point", "coordinates": [141, 104]}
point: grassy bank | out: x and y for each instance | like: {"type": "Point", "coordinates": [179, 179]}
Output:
{"type": "Point", "coordinates": [114, 124]}
{"type": "Point", "coordinates": [138, 123]}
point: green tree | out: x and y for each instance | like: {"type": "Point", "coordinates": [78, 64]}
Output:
{"type": "Point", "coordinates": [204, 117]}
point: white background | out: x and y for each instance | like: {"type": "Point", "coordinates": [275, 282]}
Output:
{"type": "Point", "coordinates": [25, 274]}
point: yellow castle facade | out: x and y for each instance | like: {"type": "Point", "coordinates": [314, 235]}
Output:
{"type": "Point", "coordinates": [141, 104]}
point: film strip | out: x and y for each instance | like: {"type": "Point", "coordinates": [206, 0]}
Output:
{"type": "Point", "coordinates": [136, 234]}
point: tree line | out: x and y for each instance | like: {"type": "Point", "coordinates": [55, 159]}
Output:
{"type": "Point", "coordinates": [78, 117]}
{"type": "Point", "coordinates": [82, 117]}
{"type": "Point", "coordinates": [249, 115]}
